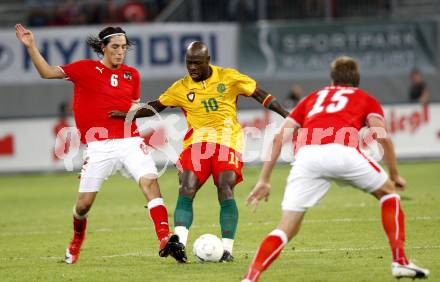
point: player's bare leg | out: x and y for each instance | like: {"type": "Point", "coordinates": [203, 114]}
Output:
{"type": "Point", "coordinates": [393, 221]}
{"type": "Point", "coordinates": [228, 211]}
{"type": "Point", "coordinates": [83, 204]}
{"type": "Point", "coordinates": [274, 243]}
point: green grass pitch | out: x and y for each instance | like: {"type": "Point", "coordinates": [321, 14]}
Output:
{"type": "Point", "coordinates": [341, 239]}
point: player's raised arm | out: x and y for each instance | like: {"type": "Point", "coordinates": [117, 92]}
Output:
{"type": "Point", "coordinates": [262, 188]}
{"type": "Point", "coordinates": [269, 102]}
{"type": "Point", "coordinates": [389, 153]}
{"type": "Point", "coordinates": [44, 69]}
{"type": "Point", "coordinates": [146, 110]}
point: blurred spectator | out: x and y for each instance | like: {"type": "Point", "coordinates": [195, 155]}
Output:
{"type": "Point", "coordinates": [242, 10]}
{"type": "Point", "coordinates": [76, 12]}
{"type": "Point", "coordinates": [69, 13]}
{"type": "Point", "coordinates": [293, 96]}
{"type": "Point", "coordinates": [111, 13]}
{"type": "Point", "coordinates": [134, 11]}
{"type": "Point", "coordinates": [295, 9]}
{"type": "Point", "coordinates": [418, 92]}
{"type": "Point", "coordinates": [313, 9]}
{"type": "Point", "coordinates": [93, 12]}
{"type": "Point", "coordinates": [38, 17]}
{"type": "Point", "coordinates": [361, 8]}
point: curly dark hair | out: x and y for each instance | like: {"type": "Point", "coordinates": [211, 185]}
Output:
{"type": "Point", "coordinates": [96, 43]}
{"type": "Point", "coordinates": [345, 71]}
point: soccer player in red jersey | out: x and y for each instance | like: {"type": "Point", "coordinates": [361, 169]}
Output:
{"type": "Point", "coordinates": [327, 148]}
{"type": "Point", "coordinates": [101, 86]}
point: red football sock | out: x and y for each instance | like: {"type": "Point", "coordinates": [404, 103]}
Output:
{"type": "Point", "coordinates": [159, 215]}
{"type": "Point", "coordinates": [393, 221]}
{"type": "Point", "coordinates": [269, 250]}
{"type": "Point", "coordinates": [79, 227]}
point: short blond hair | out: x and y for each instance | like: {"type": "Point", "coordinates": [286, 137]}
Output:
{"type": "Point", "coordinates": [345, 71]}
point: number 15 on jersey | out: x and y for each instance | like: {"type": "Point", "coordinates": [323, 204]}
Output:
{"type": "Point", "coordinates": [338, 101]}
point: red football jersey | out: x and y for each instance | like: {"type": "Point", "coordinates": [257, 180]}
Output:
{"type": "Point", "coordinates": [98, 90]}
{"type": "Point", "coordinates": [334, 114]}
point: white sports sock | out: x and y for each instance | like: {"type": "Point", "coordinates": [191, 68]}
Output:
{"type": "Point", "coordinates": [77, 216]}
{"type": "Point", "coordinates": [182, 232]}
{"type": "Point", "coordinates": [228, 244]}
{"type": "Point", "coordinates": [280, 233]}
{"type": "Point", "coordinates": [155, 202]}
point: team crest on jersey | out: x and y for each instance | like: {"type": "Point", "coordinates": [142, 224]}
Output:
{"type": "Point", "coordinates": [191, 96]}
{"type": "Point", "coordinates": [221, 88]}
{"type": "Point", "coordinates": [127, 75]}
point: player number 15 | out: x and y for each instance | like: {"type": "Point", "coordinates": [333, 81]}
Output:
{"type": "Point", "coordinates": [338, 101]}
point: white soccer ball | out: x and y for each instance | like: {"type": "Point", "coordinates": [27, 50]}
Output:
{"type": "Point", "coordinates": [208, 248]}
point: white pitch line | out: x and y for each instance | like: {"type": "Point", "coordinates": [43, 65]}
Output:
{"type": "Point", "coordinates": [342, 220]}
{"type": "Point", "coordinates": [414, 218]}
{"type": "Point", "coordinates": [302, 250]}
{"type": "Point", "coordinates": [349, 249]}
{"type": "Point", "coordinates": [128, 255]}
{"type": "Point", "coordinates": [29, 233]}
{"type": "Point", "coordinates": [306, 221]}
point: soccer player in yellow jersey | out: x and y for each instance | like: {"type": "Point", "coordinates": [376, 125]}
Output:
{"type": "Point", "coordinates": [213, 143]}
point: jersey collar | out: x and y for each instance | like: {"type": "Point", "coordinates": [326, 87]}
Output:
{"type": "Point", "coordinates": [214, 78]}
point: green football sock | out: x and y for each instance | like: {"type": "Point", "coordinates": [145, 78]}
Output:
{"type": "Point", "coordinates": [228, 218]}
{"type": "Point", "coordinates": [183, 215]}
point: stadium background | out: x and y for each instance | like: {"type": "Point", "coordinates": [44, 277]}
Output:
{"type": "Point", "coordinates": [310, 31]}
{"type": "Point", "coordinates": [279, 43]}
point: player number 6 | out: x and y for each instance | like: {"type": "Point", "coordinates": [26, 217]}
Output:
{"type": "Point", "coordinates": [114, 80]}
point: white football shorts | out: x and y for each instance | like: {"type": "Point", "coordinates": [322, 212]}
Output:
{"type": "Point", "coordinates": [316, 166]}
{"type": "Point", "coordinates": [103, 158]}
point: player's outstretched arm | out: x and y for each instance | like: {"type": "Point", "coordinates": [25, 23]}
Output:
{"type": "Point", "coordinates": [143, 110]}
{"type": "Point", "coordinates": [26, 37]}
{"type": "Point", "coordinates": [269, 102]}
{"type": "Point", "coordinates": [262, 188]}
{"type": "Point", "coordinates": [389, 153]}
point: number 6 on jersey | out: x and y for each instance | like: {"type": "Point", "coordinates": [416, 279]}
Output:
{"type": "Point", "coordinates": [114, 80]}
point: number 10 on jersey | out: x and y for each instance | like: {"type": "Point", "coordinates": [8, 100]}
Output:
{"type": "Point", "coordinates": [210, 105]}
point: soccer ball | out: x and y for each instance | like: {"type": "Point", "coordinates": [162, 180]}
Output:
{"type": "Point", "coordinates": [208, 248]}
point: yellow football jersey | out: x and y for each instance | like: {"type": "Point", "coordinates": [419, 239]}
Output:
{"type": "Point", "coordinates": [210, 106]}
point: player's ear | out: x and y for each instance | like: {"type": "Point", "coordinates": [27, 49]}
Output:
{"type": "Point", "coordinates": [208, 59]}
